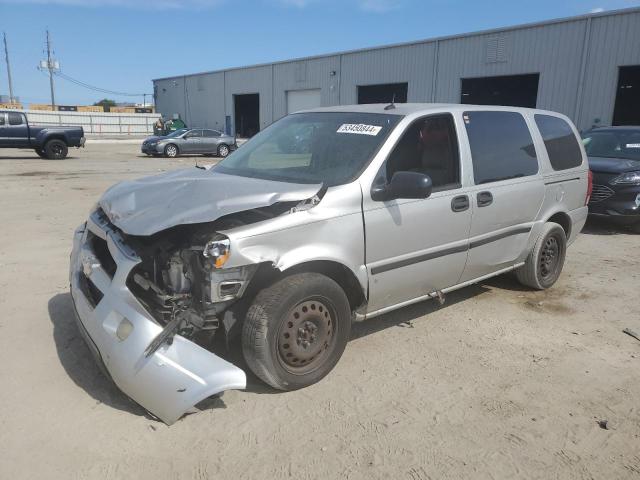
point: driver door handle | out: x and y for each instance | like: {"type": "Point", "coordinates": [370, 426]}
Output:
{"type": "Point", "coordinates": [460, 203]}
{"type": "Point", "coordinates": [484, 199]}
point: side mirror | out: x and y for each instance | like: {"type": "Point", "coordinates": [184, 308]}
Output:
{"type": "Point", "coordinates": [403, 185]}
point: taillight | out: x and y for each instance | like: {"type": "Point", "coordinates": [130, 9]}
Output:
{"type": "Point", "coordinates": [589, 187]}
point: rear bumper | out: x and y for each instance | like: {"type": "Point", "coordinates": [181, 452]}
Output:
{"type": "Point", "coordinates": [578, 219]}
{"type": "Point", "coordinates": [170, 381]}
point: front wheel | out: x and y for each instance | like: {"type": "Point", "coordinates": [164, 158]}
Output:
{"type": "Point", "coordinates": [544, 264]}
{"type": "Point", "coordinates": [296, 330]}
{"type": "Point", "coordinates": [171, 151]}
{"type": "Point", "coordinates": [223, 150]}
{"type": "Point", "coordinates": [55, 149]}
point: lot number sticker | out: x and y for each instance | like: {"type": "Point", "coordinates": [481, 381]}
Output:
{"type": "Point", "coordinates": [359, 129]}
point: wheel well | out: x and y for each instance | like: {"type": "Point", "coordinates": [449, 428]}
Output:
{"type": "Point", "coordinates": [54, 137]}
{"type": "Point", "coordinates": [340, 274]}
{"type": "Point", "coordinates": [563, 220]}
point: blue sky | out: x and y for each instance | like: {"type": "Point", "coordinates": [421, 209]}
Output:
{"type": "Point", "coordinates": [122, 44]}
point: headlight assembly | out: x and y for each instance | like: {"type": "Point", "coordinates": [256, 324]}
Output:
{"type": "Point", "coordinates": [629, 178]}
{"type": "Point", "coordinates": [217, 250]}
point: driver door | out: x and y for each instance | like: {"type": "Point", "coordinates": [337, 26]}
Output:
{"type": "Point", "coordinates": [192, 142]}
{"type": "Point", "coordinates": [417, 247]}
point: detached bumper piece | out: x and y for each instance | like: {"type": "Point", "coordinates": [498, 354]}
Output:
{"type": "Point", "coordinates": [118, 330]}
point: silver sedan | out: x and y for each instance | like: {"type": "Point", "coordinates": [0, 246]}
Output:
{"type": "Point", "coordinates": [190, 141]}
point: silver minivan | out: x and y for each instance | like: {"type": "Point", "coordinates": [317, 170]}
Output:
{"type": "Point", "coordinates": [326, 217]}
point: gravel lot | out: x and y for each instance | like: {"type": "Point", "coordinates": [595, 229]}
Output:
{"type": "Point", "coordinates": [500, 382]}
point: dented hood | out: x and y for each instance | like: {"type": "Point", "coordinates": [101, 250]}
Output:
{"type": "Point", "coordinates": [193, 195]}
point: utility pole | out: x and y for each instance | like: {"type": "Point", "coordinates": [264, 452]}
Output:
{"type": "Point", "coordinates": [6, 57]}
{"type": "Point", "coordinates": [50, 67]}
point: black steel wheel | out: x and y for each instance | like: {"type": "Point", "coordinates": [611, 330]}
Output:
{"type": "Point", "coordinates": [544, 264]}
{"type": "Point", "coordinates": [296, 330]}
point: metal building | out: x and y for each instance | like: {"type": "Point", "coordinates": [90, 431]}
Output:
{"type": "Point", "coordinates": [587, 67]}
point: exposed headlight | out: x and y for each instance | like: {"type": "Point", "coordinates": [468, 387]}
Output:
{"type": "Point", "coordinates": [629, 178]}
{"type": "Point", "coordinates": [217, 250]}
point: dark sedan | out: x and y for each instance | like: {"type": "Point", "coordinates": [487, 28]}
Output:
{"type": "Point", "coordinates": [188, 141]}
{"type": "Point", "coordinates": [614, 159]}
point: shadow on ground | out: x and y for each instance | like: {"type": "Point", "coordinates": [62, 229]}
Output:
{"type": "Point", "coordinates": [597, 226]}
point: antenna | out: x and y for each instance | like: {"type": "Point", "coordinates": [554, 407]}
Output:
{"type": "Point", "coordinates": [392, 105]}
{"type": "Point", "coordinates": [6, 57]}
{"type": "Point", "coordinates": [52, 66]}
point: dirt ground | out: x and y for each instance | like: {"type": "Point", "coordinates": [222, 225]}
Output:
{"type": "Point", "coordinates": [500, 382]}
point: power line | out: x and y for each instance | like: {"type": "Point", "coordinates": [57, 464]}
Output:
{"type": "Point", "coordinates": [97, 89]}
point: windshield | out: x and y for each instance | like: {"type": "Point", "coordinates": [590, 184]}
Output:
{"type": "Point", "coordinates": [318, 147]}
{"type": "Point", "coordinates": [177, 133]}
{"type": "Point", "coordinates": [613, 144]}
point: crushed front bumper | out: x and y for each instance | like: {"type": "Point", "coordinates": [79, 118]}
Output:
{"type": "Point", "coordinates": [171, 380]}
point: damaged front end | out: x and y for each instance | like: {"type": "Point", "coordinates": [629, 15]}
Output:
{"type": "Point", "coordinates": [145, 305]}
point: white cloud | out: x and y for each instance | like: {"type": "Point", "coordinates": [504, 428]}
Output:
{"type": "Point", "coordinates": [596, 10]}
{"type": "Point", "coordinates": [136, 4]}
{"type": "Point", "coordinates": [379, 6]}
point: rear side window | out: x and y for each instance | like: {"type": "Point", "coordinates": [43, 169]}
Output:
{"type": "Point", "coordinates": [560, 142]}
{"type": "Point", "coordinates": [501, 146]}
{"type": "Point", "coordinates": [14, 118]}
{"type": "Point", "coordinates": [1, 118]}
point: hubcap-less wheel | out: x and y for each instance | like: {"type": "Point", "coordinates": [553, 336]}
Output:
{"type": "Point", "coordinates": [171, 151]}
{"type": "Point", "coordinates": [223, 151]}
{"type": "Point", "coordinates": [549, 257]}
{"type": "Point", "coordinates": [306, 336]}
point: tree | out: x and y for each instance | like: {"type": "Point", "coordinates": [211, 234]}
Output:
{"type": "Point", "coordinates": [106, 104]}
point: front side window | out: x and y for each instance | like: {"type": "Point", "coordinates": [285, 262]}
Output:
{"type": "Point", "coordinates": [501, 146]}
{"type": "Point", "coordinates": [428, 146]}
{"type": "Point", "coordinates": [15, 118]}
{"type": "Point", "coordinates": [560, 141]}
{"type": "Point", "coordinates": [332, 148]}
{"type": "Point", "coordinates": [194, 134]}
{"type": "Point", "coordinates": [613, 144]}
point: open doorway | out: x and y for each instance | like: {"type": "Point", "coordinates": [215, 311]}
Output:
{"type": "Point", "coordinates": [509, 90]}
{"type": "Point", "coordinates": [247, 114]}
{"type": "Point", "coordinates": [627, 109]}
{"type": "Point", "coordinates": [383, 93]}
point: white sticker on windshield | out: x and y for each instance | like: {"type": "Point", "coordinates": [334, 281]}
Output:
{"type": "Point", "coordinates": [633, 145]}
{"type": "Point", "coordinates": [359, 129]}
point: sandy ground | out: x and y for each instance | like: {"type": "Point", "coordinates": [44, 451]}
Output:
{"type": "Point", "coordinates": [500, 382]}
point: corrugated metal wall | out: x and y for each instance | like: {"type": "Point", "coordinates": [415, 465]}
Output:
{"type": "Point", "coordinates": [577, 60]}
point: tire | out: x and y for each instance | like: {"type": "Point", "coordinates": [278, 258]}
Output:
{"type": "Point", "coordinates": [41, 153]}
{"type": "Point", "coordinates": [309, 307]}
{"type": "Point", "coordinates": [55, 149]}
{"type": "Point", "coordinates": [223, 150]}
{"type": "Point", "coordinates": [171, 151]}
{"type": "Point", "coordinates": [544, 264]}
{"type": "Point", "coordinates": [635, 228]}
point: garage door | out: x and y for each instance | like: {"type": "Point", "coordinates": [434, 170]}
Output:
{"type": "Point", "coordinates": [302, 100]}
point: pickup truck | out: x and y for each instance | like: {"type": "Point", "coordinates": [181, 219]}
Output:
{"type": "Point", "coordinates": [48, 142]}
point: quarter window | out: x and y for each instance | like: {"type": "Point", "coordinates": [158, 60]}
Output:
{"type": "Point", "coordinates": [15, 118]}
{"type": "Point", "coordinates": [560, 142]}
{"type": "Point", "coordinates": [501, 146]}
{"type": "Point", "coordinates": [428, 146]}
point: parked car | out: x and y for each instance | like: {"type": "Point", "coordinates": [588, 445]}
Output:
{"type": "Point", "coordinates": [614, 159]}
{"type": "Point", "coordinates": [289, 239]}
{"type": "Point", "coordinates": [48, 142]}
{"type": "Point", "coordinates": [187, 141]}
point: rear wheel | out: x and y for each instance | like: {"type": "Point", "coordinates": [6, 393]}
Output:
{"type": "Point", "coordinates": [544, 264]}
{"type": "Point", "coordinates": [223, 150]}
{"type": "Point", "coordinates": [171, 150]}
{"type": "Point", "coordinates": [55, 149]}
{"type": "Point", "coordinates": [635, 228]}
{"type": "Point", "coordinates": [296, 330]}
